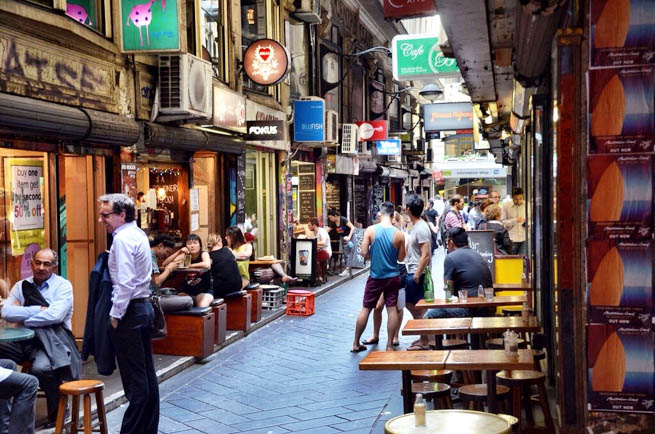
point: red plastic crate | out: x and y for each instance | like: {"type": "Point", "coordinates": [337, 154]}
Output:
{"type": "Point", "coordinates": [300, 302]}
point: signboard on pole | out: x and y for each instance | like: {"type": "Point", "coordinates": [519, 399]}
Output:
{"type": "Point", "coordinates": [149, 26]}
{"type": "Point", "coordinates": [372, 130]}
{"type": "Point", "coordinates": [309, 124]}
{"type": "Point", "coordinates": [409, 8]}
{"type": "Point", "coordinates": [389, 147]}
{"type": "Point", "coordinates": [448, 116]}
{"type": "Point", "coordinates": [419, 56]}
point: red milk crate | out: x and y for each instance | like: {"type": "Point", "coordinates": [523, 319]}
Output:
{"type": "Point", "coordinates": [300, 302]}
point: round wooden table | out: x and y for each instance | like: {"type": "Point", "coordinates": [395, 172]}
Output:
{"type": "Point", "coordinates": [449, 421]}
{"type": "Point", "coordinates": [9, 334]}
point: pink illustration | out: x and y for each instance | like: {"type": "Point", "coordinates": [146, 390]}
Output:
{"type": "Point", "coordinates": [141, 15]}
{"type": "Point", "coordinates": [78, 13]}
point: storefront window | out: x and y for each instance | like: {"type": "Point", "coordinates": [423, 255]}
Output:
{"type": "Point", "coordinates": [261, 202]}
{"type": "Point", "coordinates": [212, 36]}
{"type": "Point", "coordinates": [25, 213]}
{"type": "Point", "coordinates": [253, 27]}
{"type": "Point", "coordinates": [299, 76]}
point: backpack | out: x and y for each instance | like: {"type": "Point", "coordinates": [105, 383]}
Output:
{"type": "Point", "coordinates": [442, 230]}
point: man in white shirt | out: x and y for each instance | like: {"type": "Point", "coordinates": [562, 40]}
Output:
{"type": "Point", "coordinates": [131, 315]}
{"type": "Point", "coordinates": [323, 245]}
{"type": "Point", "coordinates": [17, 399]}
{"type": "Point", "coordinates": [513, 217]}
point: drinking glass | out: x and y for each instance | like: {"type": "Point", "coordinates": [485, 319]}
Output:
{"type": "Point", "coordinates": [489, 294]}
{"type": "Point", "coordinates": [462, 295]}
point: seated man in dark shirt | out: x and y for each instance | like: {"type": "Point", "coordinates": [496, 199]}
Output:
{"type": "Point", "coordinates": [465, 269]}
{"type": "Point", "coordinates": [224, 270]}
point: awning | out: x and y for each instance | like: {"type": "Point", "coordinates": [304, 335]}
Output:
{"type": "Point", "coordinates": [426, 173]}
{"type": "Point", "coordinates": [413, 172]}
{"type": "Point", "coordinates": [189, 139]}
{"type": "Point", "coordinates": [344, 165]}
{"type": "Point", "coordinates": [393, 173]}
{"type": "Point", "coordinates": [367, 166]}
{"type": "Point", "coordinates": [28, 117]}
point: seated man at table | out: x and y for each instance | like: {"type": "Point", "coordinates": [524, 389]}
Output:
{"type": "Point", "coordinates": [44, 303]}
{"type": "Point", "coordinates": [464, 268]}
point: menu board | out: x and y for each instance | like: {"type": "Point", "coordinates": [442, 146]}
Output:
{"type": "Point", "coordinates": [376, 200]}
{"type": "Point", "coordinates": [360, 203]}
{"type": "Point", "coordinates": [306, 182]}
{"type": "Point", "coordinates": [307, 204]}
{"type": "Point", "coordinates": [333, 196]}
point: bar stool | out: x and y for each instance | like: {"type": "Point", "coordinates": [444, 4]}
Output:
{"type": "Point", "coordinates": [475, 395]}
{"type": "Point", "coordinates": [75, 389]}
{"type": "Point", "coordinates": [538, 344]}
{"type": "Point", "coordinates": [431, 375]}
{"type": "Point", "coordinates": [519, 379]}
{"type": "Point", "coordinates": [435, 392]}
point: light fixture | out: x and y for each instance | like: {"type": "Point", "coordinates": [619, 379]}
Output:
{"type": "Point", "coordinates": [161, 193]}
{"type": "Point", "coordinates": [431, 92]}
{"type": "Point", "coordinates": [251, 16]}
{"type": "Point", "coordinates": [555, 114]}
{"type": "Point", "coordinates": [504, 134]}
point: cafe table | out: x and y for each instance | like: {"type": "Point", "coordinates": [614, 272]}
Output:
{"type": "Point", "coordinates": [499, 300]}
{"type": "Point", "coordinates": [498, 324]}
{"type": "Point", "coordinates": [15, 334]}
{"type": "Point", "coordinates": [475, 325]}
{"type": "Point", "coordinates": [449, 421]}
{"type": "Point", "coordinates": [513, 286]}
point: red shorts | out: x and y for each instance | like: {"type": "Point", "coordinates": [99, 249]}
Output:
{"type": "Point", "coordinates": [322, 256]}
{"type": "Point", "coordinates": [375, 287]}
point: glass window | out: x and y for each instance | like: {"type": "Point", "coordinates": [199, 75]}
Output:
{"type": "Point", "coordinates": [253, 27]}
{"type": "Point", "coordinates": [298, 38]}
{"type": "Point", "coordinates": [212, 36]}
{"type": "Point", "coordinates": [87, 12]}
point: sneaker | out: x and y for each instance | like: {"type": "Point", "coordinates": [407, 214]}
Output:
{"type": "Point", "coordinates": [345, 273]}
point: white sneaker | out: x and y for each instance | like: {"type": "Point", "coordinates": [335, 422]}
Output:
{"type": "Point", "coordinates": [345, 273]}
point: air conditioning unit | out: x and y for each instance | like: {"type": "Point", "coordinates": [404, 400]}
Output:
{"type": "Point", "coordinates": [349, 138]}
{"type": "Point", "coordinates": [308, 11]}
{"type": "Point", "coordinates": [363, 149]}
{"type": "Point", "coordinates": [185, 87]}
{"type": "Point", "coordinates": [394, 158]}
{"type": "Point", "coordinates": [331, 126]}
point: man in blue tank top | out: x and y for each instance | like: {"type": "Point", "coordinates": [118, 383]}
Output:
{"type": "Point", "coordinates": [386, 246]}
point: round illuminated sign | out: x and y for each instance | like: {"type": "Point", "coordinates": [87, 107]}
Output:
{"type": "Point", "coordinates": [266, 62]}
{"type": "Point", "coordinates": [366, 131]}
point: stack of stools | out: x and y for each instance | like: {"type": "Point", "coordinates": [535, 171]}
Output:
{"type": "Point", "coordinates": [475, 395]}
{"type": "Point", "coordinates": [76, 389]}
{"type": "Point", "coordinates": [434, 385]}
{"type": "Point", "coordinates": [520, 382]}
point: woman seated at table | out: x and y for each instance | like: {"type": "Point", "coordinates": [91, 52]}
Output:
{"type": "Point", "coordinates": [225, 274]}
{"type": "Point", "coordinates": [241, 250]}
{"type": "Point", "coordinates": [501, 236]}
{"type": "Point", "coordinates": [196, 284]}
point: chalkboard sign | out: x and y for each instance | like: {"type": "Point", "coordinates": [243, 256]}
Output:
{"type": "Point", "coordinates": [307, 201]}
{"type": "Point", "coordinates": [360, 202]}
{"type": "Point", "coordinates": [306, 182]}
{"type": "Point", "coordinates": [376, 200]}
{"type": "Point", "coordinates": [353, 258]}
{"type": "Point", "coordinates": [483, 243]}
{"type": "Point", "coordinates": [333, 196]}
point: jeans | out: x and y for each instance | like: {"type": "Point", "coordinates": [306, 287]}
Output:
{"type": "Point", "coordinates": [132, 341]}
{"type": "Point", "coordinates": [17, 401]}
{"type": "Point", "coordinates": [518, 248]}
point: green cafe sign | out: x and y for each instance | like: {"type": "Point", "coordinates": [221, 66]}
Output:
{"type": "Point", "coordinates": [419, 56]}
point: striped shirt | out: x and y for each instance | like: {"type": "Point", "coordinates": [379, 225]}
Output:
{"type": "Point", "coordinates": [454, 220]}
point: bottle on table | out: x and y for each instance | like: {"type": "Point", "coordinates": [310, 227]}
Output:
{"type": "Point", "coordinates": [428, 286]}
{"type": "Point", "coordinates": [448, 289]}
{"type": "Point", "coordinates": [480, 291]}
{"type": "Point", "coordinates": [419, 411]}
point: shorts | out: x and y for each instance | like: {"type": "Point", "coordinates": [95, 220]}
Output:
{"type": "Point", "coordinates": [375, 287]}
{"type": "Point", "coordinates": [322, 256]}
{"type": "Point", "coordinates": [413, 291]}
{"type": "Point", "coordinates": [402, 269]}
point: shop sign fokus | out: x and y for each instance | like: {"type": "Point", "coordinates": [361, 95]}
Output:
{"type": "Point", "coordinates": [266, 130]}
{"type": "Point", "coordinates": [372, 130]}
{"type": "Point", "coordinates": [419, 56]}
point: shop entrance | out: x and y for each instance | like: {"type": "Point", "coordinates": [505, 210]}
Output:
{"type": "Point", "coordinates": [261, 208]}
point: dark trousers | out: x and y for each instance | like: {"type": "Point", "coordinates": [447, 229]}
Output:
{"type": "Point", "coordinates": [132, 341]}
{"type": "Point", "coordinates": [17, 401]}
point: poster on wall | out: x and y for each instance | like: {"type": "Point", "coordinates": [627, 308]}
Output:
{"type": "Point", "coordinates": [26, 204]}
{"type": "Point", "coordinates": [620, 282]}
{"type": "Point", "coordinates": [621, 112]}
{"type": "Point", "coordinates": [128, 180]}
{"type": "Point", "coordinates": [620, 368]}
{"type": "Point", "coordinates": [622, 32]}
{"type": "Point", "coordinates": [150, 26]}
{"type": "Point", "coordinates": [620, 196]}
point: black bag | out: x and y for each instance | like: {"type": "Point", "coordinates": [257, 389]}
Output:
{"type": "Point", "coordinates": [442, 234]}
{"type": "Point", "coordinates": [159, 324]}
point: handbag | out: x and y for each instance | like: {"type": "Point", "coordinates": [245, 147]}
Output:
{"type": "Point", "coordinates": [159, 323]}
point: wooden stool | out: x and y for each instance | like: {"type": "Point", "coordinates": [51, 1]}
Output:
{"type": "Point", "coordinates": [516, 380]}
{"type": "Point", "coordinates": [538, 344]}
{"type": "Point", "coordinates": [454, 344]}
{"type": "Point", "coordinates": [432, 375]}
{"type": "Point", "coordinates": [433, 392]}
{"type": "Point", "coordinates": [476, 395]}
{"type": "Point", "coordinates": [75, 389]}
{"type": "Point", "coordinates": [256, 304]}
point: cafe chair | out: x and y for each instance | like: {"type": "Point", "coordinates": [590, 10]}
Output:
{"type": "Point", "coordinates": [83, 388]}
{"type": "Point", "coordinates": [474, 396]}
{"type": "Point", "coordinates": [520, 382]}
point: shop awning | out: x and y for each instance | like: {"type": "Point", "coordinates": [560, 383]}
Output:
{"type": "Point", "coordinates": [28, 117]}
{"type": "Point", "coordinates": [189, 139]}
{"type": "Point", "coordinates": [367, 166]}
{"type": "Point", "coordinates": [344, 165]}
{"type": "Point", "coordinates": [413, 173]}
{"type": "Point", "coordinates": [392, 172]}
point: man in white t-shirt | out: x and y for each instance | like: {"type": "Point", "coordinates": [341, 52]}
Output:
{"type": "Point", "coordinates": [17, 399]}
{"type": "Point", "coordinates": [323, 246]}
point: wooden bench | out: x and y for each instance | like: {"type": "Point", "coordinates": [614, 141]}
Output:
{"type": "Point", "coordinates": [219, 308]}
{"type": "Point", "coordinates": [256, 306]}
{"type": "Point", "coordinates": [239, 312]}
{"type": "Point", "coordinates": [190, 333]}
{"type": "Point", "coordinates": [490, 360]}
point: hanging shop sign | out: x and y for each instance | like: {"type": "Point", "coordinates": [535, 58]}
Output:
{"type": "Point", "coordinates": [419, 56]}
{"type": "Point", "coordinates": [389, 147]}
{"type": "Point", "coordinates": [474, 172]}
{"type": "Point", "coordinates": [150, 26]}
{"type": "Point", "coordinates": [266, 62]}
{"type": "Point", "coordinates": [448, 116]}
{"type": "Point", "coordinates": [26, 208]}
{"type": "Point", "coordinates": [309, 123]}
{"type": "Point", "coordinates": [229, 110]}
{"type": "Point", "coordinates": [408, 8]}
{"type": "Point", "coordinates": [261, 113]}
{"type": "Point", "coordinates": [372, 130]}
{"type": "Point", "coordinates": [265, 130]}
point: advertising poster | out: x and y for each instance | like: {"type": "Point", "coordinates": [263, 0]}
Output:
{"type": "Point", "coordinates": [26, 207]}
{"type": "Point", "coordinates": [620, 196]}
{"type": "Point", "coordinates": [621, 109]}
{"type": "Point", "coordinates": [128, 180]}
{"type": "Point", "coordinates": [620, 368]}
{"type": "Point", "coordinates": [150, 25]}
{"type": "Point", "coordinates": [622, 32]}
{"type": "Point", "coordinates": [620, 282]}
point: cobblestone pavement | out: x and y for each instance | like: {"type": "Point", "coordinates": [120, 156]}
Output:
{"type": "Point", "coordinates": [294, 375]}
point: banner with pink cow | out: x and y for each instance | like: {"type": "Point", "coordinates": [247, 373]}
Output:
{"type": "Point", "coordinates": [150, 25]}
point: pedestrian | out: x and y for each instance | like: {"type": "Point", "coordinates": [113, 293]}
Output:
{"type": "Point", "coordinates": [131, 315]}
{"type": "Point", "coordinates": [501, 235]}
{"type": "Point", "coordinates": [340, 226]}
{"type": "Point", "coordinates": [453, 217]}
{"type": "Point", "coordinates": [418, 257]}
{"type": "Point", "coordinates": [17, 399]}
{"type": "Point", "coordinates": [494, 197]}
{"type": "Point", "coordinates": [386, 246]}
{"type": "Point", "coordinates": [513, 217]}
{"type": "Point", "coordinates": [323, 247]}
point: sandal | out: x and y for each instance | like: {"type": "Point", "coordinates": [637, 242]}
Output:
{"type": "Point", "coordinates": [371, 341]}
{"type": "Point", "coordinates": [418, 347]}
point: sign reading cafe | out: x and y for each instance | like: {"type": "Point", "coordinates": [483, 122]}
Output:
{"type": "Point", "coordinates": [419, 56]}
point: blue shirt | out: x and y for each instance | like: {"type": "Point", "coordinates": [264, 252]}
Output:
{"type": "Point", "coordinates": [130, 267]}
{"type": "Point", "coordinates": [384, 255]}
{"type": "Point", "coordinates": [57, 291]}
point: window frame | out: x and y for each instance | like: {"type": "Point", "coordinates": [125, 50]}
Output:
{"type": "Point", "coordinates": [223, 64]}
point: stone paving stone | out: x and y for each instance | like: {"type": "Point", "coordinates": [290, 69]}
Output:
{"type": "Point", "coordinates": [192, 405]}
{"type": "Point", "coordinates": [286, 411]}
{"type": "Point", "coordinates": [224, 417]}
{"type": "Point", "coordinates": [269, 430]}
{"type": "Point", "coordinates": [366, 405]}
{"type": "Point", "coordinates": [315, 414]}
{"type": "Point", "coordinates": [167, 426]}
{"type": "Point", "coordinates": [313, 423]}
{"type": "Point", "coordinates": [362, 414]}
{"type": "Point", "coordinates": [319, 430]}
{"type": "Point", "coordinates": [356, 425]}
{"type": "Point", "coordinates": [211, 426]}
{"type": "Point", "coordinates": [271, 421]}
{"type": "Point", "coordinates": [179, 414]}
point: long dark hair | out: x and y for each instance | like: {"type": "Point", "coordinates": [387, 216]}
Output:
{"type": "Point", "coordinates": [194, 237]}
{"type": "Point", "coordinates": [236, 237]}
